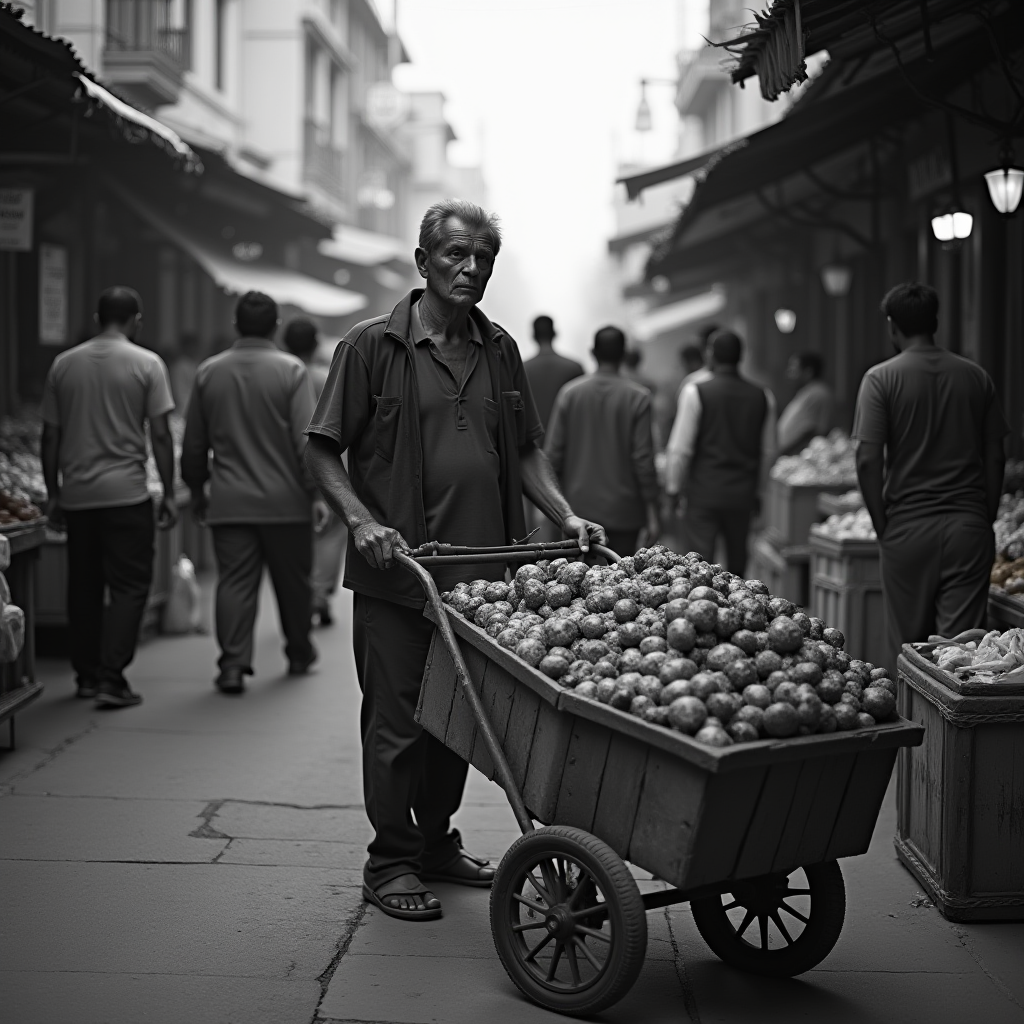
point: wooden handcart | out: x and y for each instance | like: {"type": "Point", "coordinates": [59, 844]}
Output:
{"type": "Point", "coordinates": [749, 835]}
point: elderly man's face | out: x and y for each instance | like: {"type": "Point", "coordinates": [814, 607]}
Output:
{"type": "Point", "coordinates": [459, 268]}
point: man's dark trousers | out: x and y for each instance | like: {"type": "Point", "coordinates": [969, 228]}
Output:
{"type": "Point", "coordinates": [622, 542]}
{"type": "Point", "coordinates": [242, 550]}
{"type": "Point", "coordinates": [405, 770]}
{"type": "Point", "coordinates": [703, 525]}
{"type": "Point", "coordinates": [112, 549]}
{"type": "Point", "coordinates": [935, 576]}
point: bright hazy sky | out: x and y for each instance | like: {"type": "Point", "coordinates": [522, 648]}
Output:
{"type": "Point", "coordinates": [543, 94]}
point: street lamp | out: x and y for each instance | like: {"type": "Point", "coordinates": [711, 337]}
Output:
{"type": "Point", "coordinates": [1005, 185]}
{"type": "Point", "coordinates": [954, 225]}
{"type": "Point", "coordinates": [836, 279]}
{"type": "Point", "coordinates": [644, 122]}
{"type": "Point", "coordinates": [785, 320]}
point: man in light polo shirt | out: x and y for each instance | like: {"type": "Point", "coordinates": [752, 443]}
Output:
{"type": "Point", "coordinates": [96, 401]}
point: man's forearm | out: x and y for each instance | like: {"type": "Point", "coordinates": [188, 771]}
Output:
{"type": "Point", "coordinates": [540, 485]}
{"type": "Point", "coordinates": [870, 478]}
{"type": "Point", "coordinates": [163, 455]}
{"type": "Point", "coordinates": [676, 472]}
{"type": "Point", "coordinates": [332, 479]}
{"type": "Point", "coordinates": [49, 455]}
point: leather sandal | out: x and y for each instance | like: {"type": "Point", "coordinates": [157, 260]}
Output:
{"type": "Point", "coordinates": [404, 885]}
{"type": "Point", "coordinates": [463, 869]}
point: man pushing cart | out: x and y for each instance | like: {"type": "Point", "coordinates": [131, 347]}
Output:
{"type": "Point", "coordinates": [434, 409]}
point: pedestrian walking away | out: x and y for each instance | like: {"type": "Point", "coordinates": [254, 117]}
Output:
{"type": "Point", "coordinates": [722, 444]}
{"type": "Point", "coordinates": [809, 413]}
{"type": "Point", "coordinates": [330, 535]}
{"type": "Point", "coordinates": [930, 459]}
{"type": "Point", "coordinates": [244, 442]}
{"type": "Point", "coordinates": [601, 447]}
{"type": "Point", "coordinates": [97, 400]}
{"type": "Point", "coordinates": [432, 405]}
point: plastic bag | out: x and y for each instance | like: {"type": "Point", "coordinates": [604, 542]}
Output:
{"type": "Point", "coordinates": [12, 632]}
{"type": "Point", "coordinates": [5, 591]}
{"type": "Point", "coordinates": [5, 553]}
{"type": "Point", "coordinates": [182, 611]}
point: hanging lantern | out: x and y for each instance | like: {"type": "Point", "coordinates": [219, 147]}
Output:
{"type": "Point", "coordinates": [1005, 187]}
{"type": "Point", "coordinates": [836, 279]}
{"type": "Point", "coordinates": [953, 226]}
{"type": "Point", "coordinates": [785, 320]}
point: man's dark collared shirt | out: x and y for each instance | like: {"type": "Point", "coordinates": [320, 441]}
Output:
{"type": "Point", "coordinates": [459, 431]}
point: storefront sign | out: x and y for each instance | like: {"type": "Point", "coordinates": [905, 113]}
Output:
{"type": "Point", "coordinates": [53, 295]}
{"type": "Point", "coordinates": [16, 219]}
{"type": "Point", "coordinates": [928, 173]}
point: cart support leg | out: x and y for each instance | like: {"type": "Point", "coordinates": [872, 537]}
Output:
{"type": "Point", "coordinates": [502, 770]}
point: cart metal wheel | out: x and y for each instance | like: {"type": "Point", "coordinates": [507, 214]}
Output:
{"type": "Point", "coordinates": [568, 921]}
{"type": "Point", "coordinates": [776, 925]}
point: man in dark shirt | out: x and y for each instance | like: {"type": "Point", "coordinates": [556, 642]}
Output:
{"type": "Point", "coordinates": [434, 409]}
{"type": "Point", "coordinates": [547, 371]}
{"type": "Point", "coordinates": [929, 435]}
{"type": "Point", "coordinates": [600, 444]}
{"type": "Point", "coordinates": [722, 444]}
{"type": "Point", "coordinates": [249, 408]}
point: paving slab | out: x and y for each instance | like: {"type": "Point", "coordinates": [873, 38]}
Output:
{"type": "Point", "coordinates": [347, 858]}
{"type": "Point", "coordinates": [198, 919]}
{"type": "Point", "coordinates": [103, 829]}
{"type": "Point", "coordinates": [263, 820]}
{"type": "Point", "coordinates": [55, 997]}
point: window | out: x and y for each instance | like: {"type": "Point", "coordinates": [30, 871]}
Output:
{"type": "Point", "coordinates": [220, 44]}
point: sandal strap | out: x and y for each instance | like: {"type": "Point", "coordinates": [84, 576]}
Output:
{"type": "Point", "coordinates": [462, 855]}
{"type": "Point", "coordinates": [386, 889]}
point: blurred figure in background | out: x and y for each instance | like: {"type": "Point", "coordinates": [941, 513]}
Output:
{"type": "Point", "coordinates": [249, 408]}
{"type": "Point", "coordinates": [97, 399]}
{"type": "Point", "coordinates": [600, 445]}
{"type": "Point", "coordinates": [547, 372]}
{"type": "Point", "coordinates": [331, 536]}
{"type": "Point", "coordinates": [692, 358]}
{"type": "Point", "coordinates": [722, 446]}
{"type": "Point", "coordinates": [183, 371]}
{"type": "Point", "coordinates": [809, 413]}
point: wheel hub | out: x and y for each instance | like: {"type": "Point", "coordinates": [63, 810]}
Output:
{"type": "Point", "coordinates": [559, 922]}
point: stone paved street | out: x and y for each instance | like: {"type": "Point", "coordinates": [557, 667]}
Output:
{"type": "Point", "coordinates": [197, 859]}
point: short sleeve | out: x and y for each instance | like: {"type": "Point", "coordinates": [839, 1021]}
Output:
{"type": "Point", "coordinates": [342, 412]}
{"type": "Point", "coordinates": [49, 410]}
{"type": "Point", "coordinates": [996, 427]}
{"type": "Point", "coordinates": [159, 400]}
{"type": "Point", "coordinates": [871, 420]}
{"type": "Point", "coordinates": [534, 427]}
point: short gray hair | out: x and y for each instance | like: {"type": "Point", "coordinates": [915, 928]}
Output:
{"type": "Point", "coordinates": [432, 227]}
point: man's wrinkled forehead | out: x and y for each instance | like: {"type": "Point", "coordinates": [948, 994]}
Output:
{"type": "Point", "coordinates": [456, 233]}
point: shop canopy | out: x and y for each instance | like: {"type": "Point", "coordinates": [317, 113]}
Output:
{"type": "Point", "coordinates": [237, 276]}
{"type": "Point", "coordinates": [363, 248]}
{"type": "Point", "coordinates": [677, 314]}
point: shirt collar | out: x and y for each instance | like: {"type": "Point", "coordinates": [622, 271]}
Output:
{"type": "Point", "coordinates": [254, 343]}
{"type": "Point", "coordinates": [419, 335]}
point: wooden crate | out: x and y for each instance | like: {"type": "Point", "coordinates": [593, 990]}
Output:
{"type": "Point", "coordinates": [693, 815]}
{"type": "Point", "coordinates": [846, 591]}
{"type": "Point", "coordinates": [791, 510]}
{"type": "Point", "coordinates": [785, 571]}
{"type": "Point", "coordinates": [960, 796]}
{"type": "Point", "coordinates": [1005, 611]}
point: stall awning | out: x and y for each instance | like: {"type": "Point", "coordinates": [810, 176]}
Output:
{"type": "Point", "coordinates": [636, 183]}
{"type": "Point", "coordinates": [363, 248]}
{"type": "Point", "coordinates": [678, 314]}
{"type": "Point", "coordinates": [285, 286]}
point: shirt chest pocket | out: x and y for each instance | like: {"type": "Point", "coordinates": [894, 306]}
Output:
{"type": "Point", "coordinates": [385, 426]}
{"type": "Point", "coordinates": [515, 411]}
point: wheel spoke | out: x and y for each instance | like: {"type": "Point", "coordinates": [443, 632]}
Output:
{"type": "Point", "coordinates": [745, 923]}
{"type": "Point", "coordinates": [593, 933]}
{"type": "Point", "coordinates": [762, 920]}
{"type": "Point", "coordinates": [552, 967]}
{"type": "Point", "coordinates": [551, 880]}
{"type": "Point", "coordinates": [562, 874]}
{"type": "Point", "coordinates": [795, 892]}
{"type": "Point", "coordinates": [789, 910]}
{"type": "Point", "coordinates": [540, 945]}
{"type": "Point", "coordinates": [585, 950]}
{"type": "Point", "coordinates": [574, 967]}
{"type": "Point", "coordinates": [588, 912]}
{"type": "Point", "coordinates": [545, 895]}
{"type": "Point", "coordinates": [520, 898]}
{"type": "Point", "coordinates": [781, 927]}
{"type": "Point", "coordinates": [733, 905]}
{"type": "Point", "coordinates": [581, 884]}
{"type": "Point", "coordinates": [528, 927]}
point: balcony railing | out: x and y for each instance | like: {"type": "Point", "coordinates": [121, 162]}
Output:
{"type": "Point", "coordinates": [322, 163]}
{"type": "Point", "coordinates": [145, 26]}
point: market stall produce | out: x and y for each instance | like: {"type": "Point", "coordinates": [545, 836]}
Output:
{"type": "Point", "coordinates": [848, 525]}
{"type": "Point", "coordinates": [682, 645]}
{"type": "Point", "coordinates": [740, 828]}
{"type": "Point", "coordinates": [826, 461]}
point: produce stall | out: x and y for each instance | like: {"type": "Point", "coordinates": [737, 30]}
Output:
{"type": "Point", "coordinates": [19, 548]}
{"type": "Point", "coordinates": [960, 825]}
{"type": "Point", "coordinates": [660, 712]}
{"type": "Point", "coordinates": [1006, 593]}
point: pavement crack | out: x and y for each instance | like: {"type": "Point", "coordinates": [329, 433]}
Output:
{"type": "Point", "coordinates": [206, 829]}
{"type": "Point", "coordinates": [48, 758]}
{"type": "Point", "coordinates": [965, 940]}
{"type": "Point", "coordinates": [689, 998]}
{"type": "Point", "coordinates": [324, 980]}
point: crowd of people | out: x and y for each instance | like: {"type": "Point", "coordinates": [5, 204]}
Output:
{"type": "Point", "coordinates": [429, 426]}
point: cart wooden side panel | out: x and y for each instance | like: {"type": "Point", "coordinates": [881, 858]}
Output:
{"type": "Point", "coordinates": [690, 814]}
